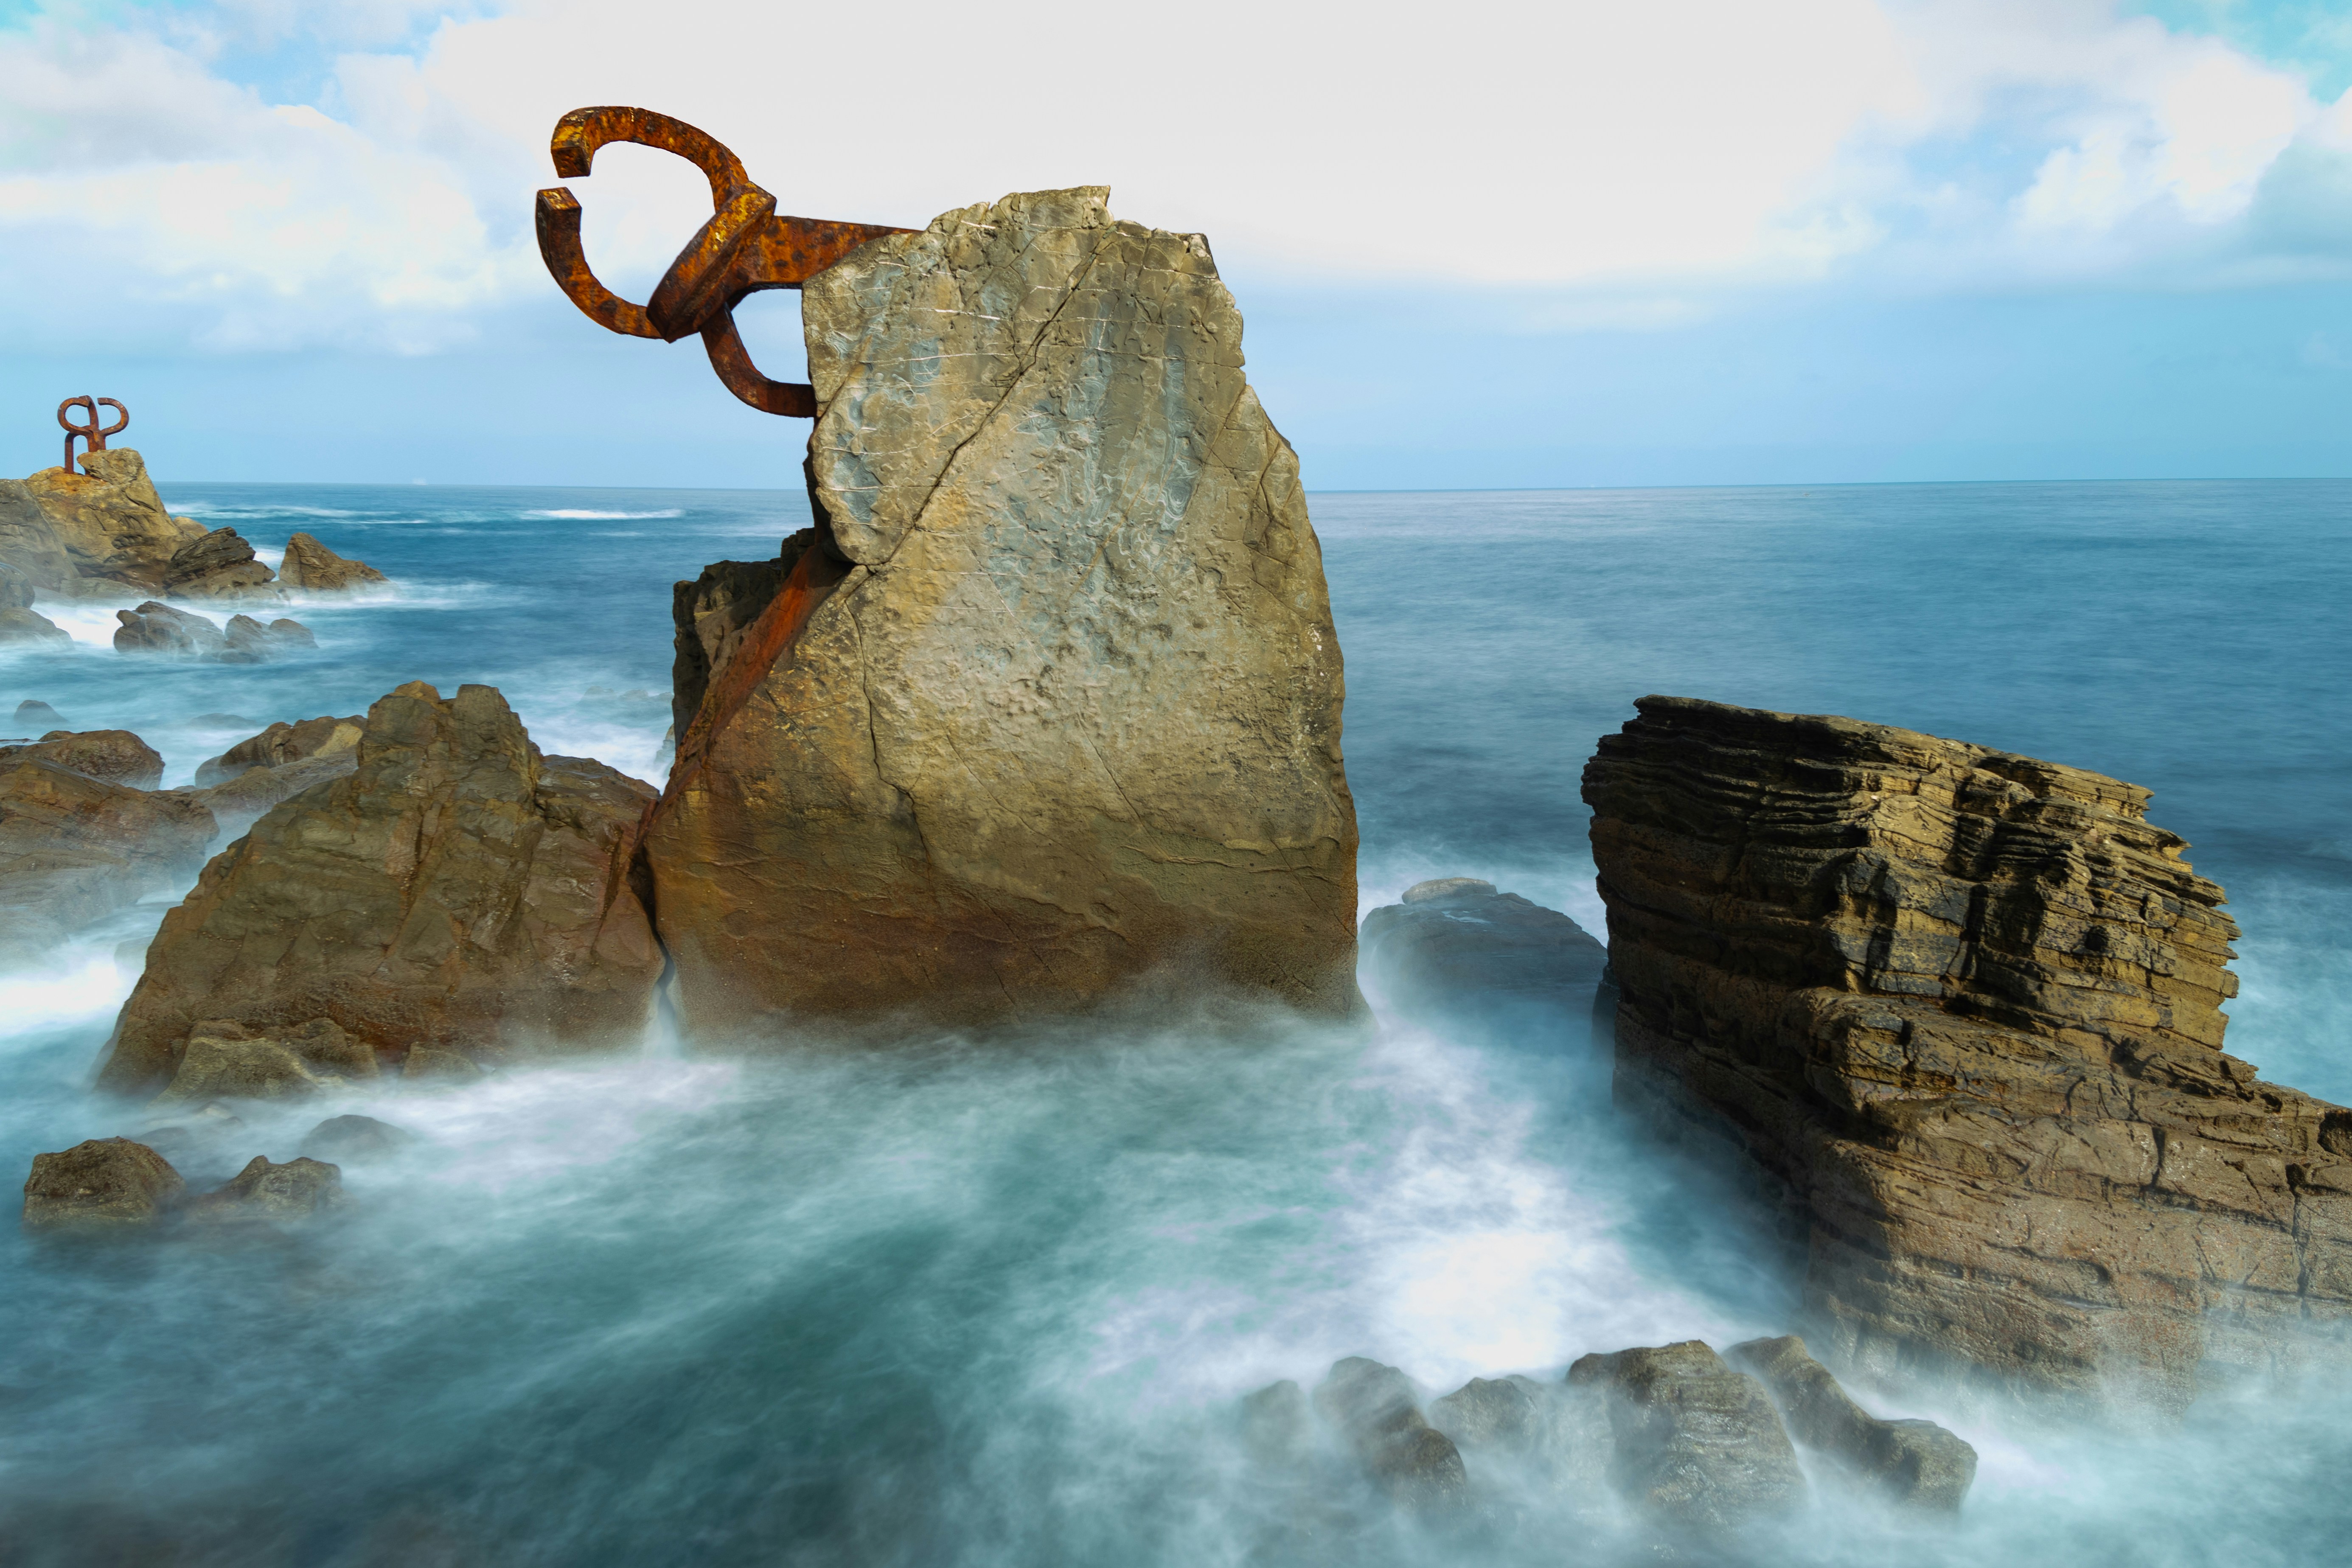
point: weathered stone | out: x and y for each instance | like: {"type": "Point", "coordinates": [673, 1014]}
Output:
{"type": "Point", "coordinates": [711, 614]}
{"type": "Point", "coordinates": [1052, 704]}
{"type": "Point", "coordinates": [458, 890]}
{"type": "Point", "coordinates": [356, 1141]}
{"type": "Point", "coordinates": [220, 565]}
{"type": "Point", "coordinates": [250, 642]}
{"type": "Point", "coordinates": [36, 715]}
{"type": "Point", "coordinates": [1457, 949]}
{"type": "Point", "coordinates": [1278, 1429]}
{"type": "Point", "coordinates": [298, 1189]}
{"type": "Point", "coordinates": [1961, 1009]}
{"type": "Point", "coordinates": [224, 1060]}
{"type": "Point", "coordinates": [1917, 1463]}
{"type": "Point", "coordinates": [74, 849]}
{"type": "Point", "coordinates": [1537, 1436]}
{"type": "Point", "coordinates": [103, 1184]}
{"type": "Point", "coordinates": [1373, 1409]}
{"type": "Point", "coordinates": [168, 633]}
{"type": "Point", "coordinates": [29, 545]}
{"type": "Point", "coordinates": [282, 743]}
{"type": "Point", "coordinates": [311, 567]}
{"type": "Point", "coordinates": [109, 522]}
{"type": "Point", "coordinates": [1697, 1443]}
{"type": "Point", "coordinates": [288, 633]}
{"type": "Point", "coordinates": [117, 756]}
{"type": "Point", "coordinates": [237, 803]}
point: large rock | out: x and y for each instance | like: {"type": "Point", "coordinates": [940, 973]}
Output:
{"type": "Point", "coordinates": [1695, 1444]}
{"type": "Point", "coordinates": [1917, 1463]}
{"type": "Point", "coordinates": [1373, 1409]}
{"type": "Point", "coordinates": [311, 567]}
{"type": "Point", "coordinates": [117, 756]}
{"type": "Point", "coordinates": [1052, 703]}
{"type": "Point", "coordinates": [220, 565]}
{"type": "Point", "coordinates": [74, 849]}
{"type": "Point", "coordinates": [108, 523]}
{"type": "Point", "coordinates": [104, 1184]}
{"type": "Point", "coordinates": [1960, 1009]}
{"type": "Point", "coordinates": [1456, 949]}
{"type": "Point", "coordinates": [19, 622]}
{"type": "Point", "coordinates": [281, 743]}
{"type": "Point", "coordinates": [459, 890]}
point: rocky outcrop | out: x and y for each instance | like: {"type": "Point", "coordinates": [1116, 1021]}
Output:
{"type": "Point", "coordinates": [458, 890]}
{"type": "Point", "coordinates": [75, 848]}
{"type": "Point", "coordinates": [166, 632]}
{"type": "Point", "coordinates": [1960, 1011]}
{"type": "Point", "coordinates": [312, 568]}
{"type": "Point", "coordinates": [1696, 1445]}
{"type": "Point", "coordinates": [220, 565]}
{"type": "Point", "coordinates": [19, 622]}
{"type": "Point", "coordinates": [281, 743]}
{"type": "Point", "coordinates": [1916, 1463]}
{"type": "Point", "coordinates": [1373, 1409]}
{"type": "Point", "coordinates": [268, 1192]}
{"type": "Point", "coordinates": [117, 756]}
{"type": "Point", "coordinates": [108, 523]}
{"type": "Point", "coordinates": [1051, 705]}
{"type": "Point", "coordinates": [1456, 950]}
{"type": "Point", "coordinates": [105, 1184]}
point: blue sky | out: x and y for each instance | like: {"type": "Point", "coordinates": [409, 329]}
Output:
{"type": "Point", "coordinates": [1704, 243]}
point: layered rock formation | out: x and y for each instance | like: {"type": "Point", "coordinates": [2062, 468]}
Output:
{"type": "Point", "coordinates": [1960, 1009]}
{"type": "Point", "coordinates": [312, 568]}
{"type": "Point", "coordinates": [283, 742]}
{"type": "Point", "coordinates": [459, 891]}
{"type": "Point", "coordinates": [1455, 949]}
{"type": "Point", "coordinates": [1052, 703]}
{"type": "Point", "coordinates": [220, 565]}
{"type": "Point", "coordinates": [76, 847]}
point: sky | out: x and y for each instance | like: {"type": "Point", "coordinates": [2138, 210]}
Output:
{"type": "Point", "coordinates": [1494, 247]}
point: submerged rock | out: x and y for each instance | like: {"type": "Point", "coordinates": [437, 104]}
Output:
{"type": "Point", "coordinates": [250, 642]}
{"type": "Point", "coordinates": [1915, 1462]}
{"type": "Point", "coordinates": [74, 849]}
{"type": "Point", "coordinates": [425, 1064]}
{"type": "Point", "coordinates": [282, 743]}
{"type": "Point", "coordinates": [224, 1060]}
{"type": "Point", "coordinates": [159, 628]}
{"type": "Point", "coordinates": [1695, 1444]}
{"type": "Point", "coordinates": [459, 891]}
{"type": "Point", "coordinates": [117, 756]}
{"type": "Point", "coordinates": [220, 565]}
{"type": "Point", "coordinates": [32, 714]}
{"type": "Point", "coordinates": [1050, 703]}
{"type": "Point", "coordinates": [1962, 1007]}
{"type": "Point", "coordinates": [1375, 1412]}
{"type": "Point", "coordinates": [1456, 949]}
{"type": "Point", "coordinates": [1277, 1427]}
{"type": "Point", "coordinates": [311, 567]}
{"type": "Point", "coordinates": [104, 1184]}
{"type": "Point", "coordinates": [356, 1141]}
{"type": "Point", "coordinates": [297, 1190]}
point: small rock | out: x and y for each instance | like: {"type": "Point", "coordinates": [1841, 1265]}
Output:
{"type": "Point", "coordinates": [1456, 949]}
{"type": "Point", "coordinates": [167, 633]}
{"type": "Point", "coordinates": [1277, 1427]}
{"type": "Point", "coordinates": [219, 565]}
{"type": "Point", "coordinates": [1373, 1408]}
{"type": "Point", "coordinates": [355, 1139]}
{"type": "Point", "coordinates": [1698, 1444]}
{"type": "Point", "coordinates": [226, 1060]}
{"type": "Point", "coordinates": [290, 633]}
{"type": "Point", "coordinates": [117, 756]}
{"type": "Point", "coordinates": [36, 716]}
{"type": "Point", "coordinates": [311, 567]}
{"type": "Point", "coordinates": [104, 1182]}
{"type": "Point", "coordinates": [1915, 1462]}
{"type": "Point", "coordinates": [296, 1190]}
{"type": "Point", "coordinates": [427, 1064]}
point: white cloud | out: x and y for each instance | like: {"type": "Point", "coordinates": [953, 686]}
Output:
{"type": "Point", "coordinates": [1641, 154]}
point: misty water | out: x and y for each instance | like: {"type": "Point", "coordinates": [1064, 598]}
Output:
{"type": "Point", "coordinates": [992, 1303]}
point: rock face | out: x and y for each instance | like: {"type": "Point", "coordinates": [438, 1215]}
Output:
{"type": "Point", "coordinates": [75, 848]}
{"type": "Point", "coordinates": [224, 1060]}
{"type": "Point", "coordinates": [1696, 1445]}
{"type": "Point", "coordinates": [1456, 949]}
{"type": "Point", "coordinates": [220, 565]}
{"type": "Point", "coordinates": [459, 890]}
{"type": "Point", "coordinates": [105, 1184]}
{"type": "Point", "coordinates": [1373, 1409]}
{"type": "Point", "coordinates": [1917, 1463]}
{"type": "Point", "coordinates": [311, 567]}
{"type": "Point", "coordinates": [238, 803]}
{"type": "Point", "coordinates": [108, 524]}
{"type": "Point", "coordinates": [1961, 1010]}
{"type": "Point", "coordinates": [19, 623]}
{"type": "Point", "coordinates": [1052, 703]}
{"type": "Point", "coordinates": [282, 743]}
{"type": "Point", "coordinates": [117, 756]}
{"type": "Point", "coordinates": [713, 612]}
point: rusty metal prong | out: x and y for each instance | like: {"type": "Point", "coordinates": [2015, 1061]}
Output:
{"type": "Point", "coordinates": [732, 361]}
{"type": "Point", "coordinates": [697, 286]}
{"type": "Point", "coordinates": [579, 134]}
{"type": "Point", "coordinates": [559, 246]}
{"type": "Point", "coordinates": [117, 428]}
{"type": "Point", "coordinates": [93, 434]}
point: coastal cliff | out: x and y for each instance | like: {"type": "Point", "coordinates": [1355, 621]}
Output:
{"type": "Point", "coordinates": [1960, 1009]}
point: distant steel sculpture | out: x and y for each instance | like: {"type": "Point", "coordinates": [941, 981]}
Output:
{"type": "Point", "coordinates": [746, 246]}
{"type": "Point", "coordinates": [92, 433]}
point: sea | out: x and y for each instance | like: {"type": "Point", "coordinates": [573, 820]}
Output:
{"type": "Point", "coordinates": [994, 1302]}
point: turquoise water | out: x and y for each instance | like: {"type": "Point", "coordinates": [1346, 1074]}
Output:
{"type": "Point", "coordinates": [967, 1306]}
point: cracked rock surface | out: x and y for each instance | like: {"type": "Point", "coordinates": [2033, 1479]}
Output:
{"type": "Point", "coordinates": [1052, 701]}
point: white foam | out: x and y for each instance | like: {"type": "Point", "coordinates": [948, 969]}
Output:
{"type": "Point", "coordinates": [582, 514]}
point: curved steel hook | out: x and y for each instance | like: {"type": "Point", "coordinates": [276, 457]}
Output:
{"type": "Point", "coordinates": [745, 247]}
{"type": "Point", "coordinates": [93, 434]}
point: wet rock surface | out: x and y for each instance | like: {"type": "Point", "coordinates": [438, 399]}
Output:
{"type": "Point", "coordinates": [166, 631]}
{"type": "Point", "coordinates": [75, 848]}
{"type": "Point", "coordinates": [1917, 1463]}
{"type": "Point", "coordinates": [1051, 706]}
{"type": "Point", "coordinates": [116, 756]}
{"type": "Point", "coordinates": [311, 567]}
{"type": "Point", "coordinates": [104, 1184]}
{"type": "Point", "coordinates": [1377, 1415]}
{"type": "Point", "coordinates": [224, 1060]}
{"type": "Point", "coordinates": [356, 1141]}
{"type": "Point", "coordinates": [281, 743]}
{"type": "Point", "coordinates": [1455, 948]}
{"type": "Point", "coordinates": [459, 891]}
{"type": "Point", "coordinates": [266, 1193]}
{"type": "Point", "coordinates": [19, 622]}
{"type": "Point", "coordinates": [241, 801]}
{"type": "Point", "coordinates": [1696, 1445]}
{"type": "Point", "coordinates": [1960, 1009]}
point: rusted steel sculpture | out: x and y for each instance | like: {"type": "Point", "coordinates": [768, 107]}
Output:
{"type": "Point", "coordinates": [93, 434]}
{"type": "Point", "coordinates": [746, 246]}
